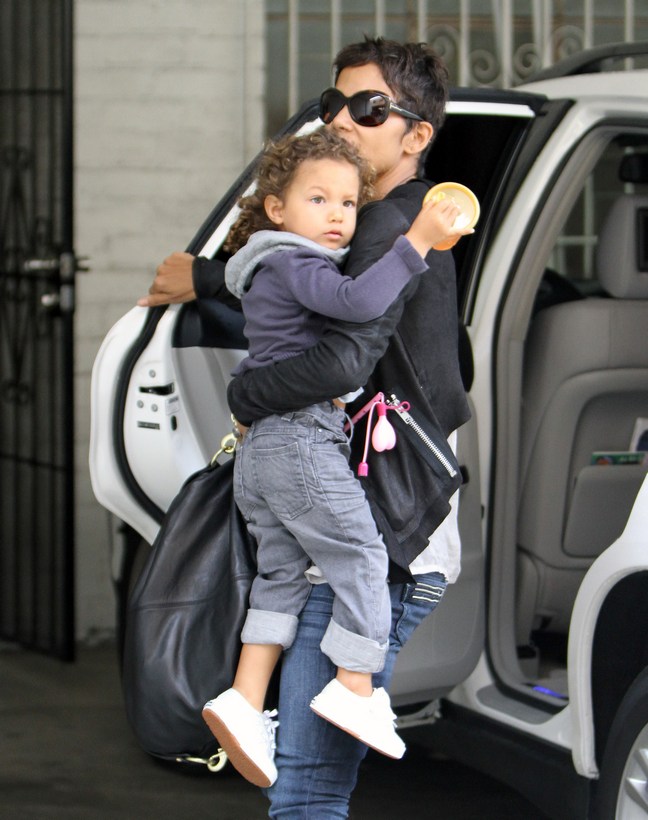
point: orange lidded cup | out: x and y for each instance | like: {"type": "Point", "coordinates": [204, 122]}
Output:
{"type": "Point", "coordinates": [467, 202]}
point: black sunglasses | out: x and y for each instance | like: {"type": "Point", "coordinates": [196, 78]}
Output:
{"type": "Point", "coordinates": [368, 108]}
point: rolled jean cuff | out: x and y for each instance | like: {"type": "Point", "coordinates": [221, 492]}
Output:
{"type": "Point", "coordinates": [265, 627]}
{"type": "Point", "coordinates": [351, 651]}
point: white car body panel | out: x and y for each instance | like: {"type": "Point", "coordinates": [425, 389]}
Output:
{"type": "Point", "coordinates": [176, 454]}
{"type": "Point", "coordinates": [160, 465]}
{"type": "Point", "coordinates": [555, 728]}
{"type": "Point", "coordinates": [489, 109]}
{"type": "Point", "coordinates": [106, 479]}
{"type": "Point", "coordinates": [627, 555]}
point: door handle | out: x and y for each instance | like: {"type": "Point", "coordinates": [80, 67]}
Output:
{"type": "Point", "coordinates": [38, 265]}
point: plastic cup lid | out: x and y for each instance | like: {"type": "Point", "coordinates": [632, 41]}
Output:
{"type": "Point", "coordinates": [463, 198]}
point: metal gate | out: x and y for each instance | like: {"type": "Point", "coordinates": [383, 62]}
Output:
{"type": "Point", "coordinates": [496, 43]}
{"type": "Point", "coordinates": [37, 268]}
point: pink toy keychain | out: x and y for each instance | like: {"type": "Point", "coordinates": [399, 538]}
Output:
{"type": "Point", "coordinates": [383, 436]}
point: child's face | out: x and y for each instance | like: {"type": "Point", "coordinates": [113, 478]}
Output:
{"type": "Point", "coordinates": [320, 203]}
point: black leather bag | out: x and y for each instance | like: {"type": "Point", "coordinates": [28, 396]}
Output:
{"type": "Point", "coordinates": [185, 617]}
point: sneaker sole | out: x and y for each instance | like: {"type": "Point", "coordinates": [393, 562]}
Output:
{"type": "Point", "coordinates": [243, 764]}
{"type": "Point", "coordinates": [356, 736]}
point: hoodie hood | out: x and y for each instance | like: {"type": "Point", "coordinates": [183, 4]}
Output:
{"type": "Point", "coordinates": [240, 268]}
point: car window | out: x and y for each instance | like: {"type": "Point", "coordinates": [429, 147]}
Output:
{"type": "Point", "coordinates": [573, 258]}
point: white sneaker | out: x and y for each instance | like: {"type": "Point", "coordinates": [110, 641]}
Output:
{"type": "Point", "coordinates": [246, 735]}
{"type": "Point", "coordinates": [371, 719]}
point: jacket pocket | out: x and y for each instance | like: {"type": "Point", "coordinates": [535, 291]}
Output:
{"type": "Point", "coordinates": [430, 443]}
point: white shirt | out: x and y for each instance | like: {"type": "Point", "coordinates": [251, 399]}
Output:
{"type": "Point", "coordinates": [443, 552]}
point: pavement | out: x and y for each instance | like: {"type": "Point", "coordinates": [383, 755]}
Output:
{"type": "Point", "coordinates": [68, 752]}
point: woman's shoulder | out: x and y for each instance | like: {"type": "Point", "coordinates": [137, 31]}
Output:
{"type": "Point", "coordinates": [413, 187]}
{"type": "Point", "coordinates": [397, 209]}
{"type": "Point", "coordinates": [409, 193]}
{"type": "Point", "coordinates": [403, 197]}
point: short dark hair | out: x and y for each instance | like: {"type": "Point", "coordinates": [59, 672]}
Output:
{"type": "Point", "coordinates": [415, 73]}
{"type": "Point", "coordinates": [276, 170]}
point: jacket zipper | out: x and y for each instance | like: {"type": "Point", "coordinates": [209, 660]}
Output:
{"type": "Point", "coordinates": [394, 402]}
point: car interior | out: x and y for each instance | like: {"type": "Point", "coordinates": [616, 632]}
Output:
{"type": "Point", "coordinates": [584, 396]}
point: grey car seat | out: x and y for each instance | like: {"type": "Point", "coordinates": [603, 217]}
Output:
{"type": "Point", "coordinates": [585, 384]}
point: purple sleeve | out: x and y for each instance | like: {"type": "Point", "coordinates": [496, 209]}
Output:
{"type": "Point", "coordinates": [316, 283]}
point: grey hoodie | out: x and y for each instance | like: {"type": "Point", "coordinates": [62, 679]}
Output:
{"type": "Point", "coordinates": [240, 268]}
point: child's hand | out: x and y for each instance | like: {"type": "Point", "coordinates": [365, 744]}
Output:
{"type": "Point", "coordinates": [439, 222]}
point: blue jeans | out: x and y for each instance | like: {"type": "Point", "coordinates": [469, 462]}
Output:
{"type": "Point", "coordinates": [317, 762]}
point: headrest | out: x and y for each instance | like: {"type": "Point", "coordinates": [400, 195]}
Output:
{"type": "Point", "coordinates": [622, 253]}
{"type": "Point", "coordinates": [634, 168]}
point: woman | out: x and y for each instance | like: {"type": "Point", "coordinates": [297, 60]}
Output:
{"type": "Point", "coordinates": [389, 102]}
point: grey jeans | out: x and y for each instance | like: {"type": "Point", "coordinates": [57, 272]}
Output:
{"type": "Point", "coordinates": [303, 504]}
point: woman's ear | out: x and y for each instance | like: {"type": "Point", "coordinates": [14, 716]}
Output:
{"type": "Point", "coordinates": [274, 209]}
{"type": "Point", "coordinates": [418, 138]}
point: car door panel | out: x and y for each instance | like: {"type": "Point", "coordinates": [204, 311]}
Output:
{"type": "Point", "coordinates": [445, 648]}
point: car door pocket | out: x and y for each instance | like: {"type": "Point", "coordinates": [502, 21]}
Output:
{"type": "Point", "coordinates": [601, 502]}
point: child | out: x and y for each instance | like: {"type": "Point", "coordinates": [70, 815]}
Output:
{"type": "Point", "coordinates": [292, 481]}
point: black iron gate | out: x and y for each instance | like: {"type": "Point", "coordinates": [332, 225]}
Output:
{"type": "Point", "coordinates": [37, 268]}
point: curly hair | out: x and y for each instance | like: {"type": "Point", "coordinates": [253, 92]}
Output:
{"type": "Point", "coordinates": [276, 171]}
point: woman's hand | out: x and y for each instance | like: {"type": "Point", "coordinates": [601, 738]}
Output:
{"type": "Point", "coordinates": [437, 223]}
{"type": "Point", "coordinates": [173, 283]}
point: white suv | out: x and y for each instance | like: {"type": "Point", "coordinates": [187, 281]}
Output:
{"type": "Point", "coordinates": [535, 669]}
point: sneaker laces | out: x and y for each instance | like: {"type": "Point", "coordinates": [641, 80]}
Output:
{"type": "Point", "coordinates": [270, 726]}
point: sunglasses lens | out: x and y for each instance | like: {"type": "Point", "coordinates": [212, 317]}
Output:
{"type": "Point", "coordinates": [369, 108]}
{"type": "Point", "coordinates": [332, 102]}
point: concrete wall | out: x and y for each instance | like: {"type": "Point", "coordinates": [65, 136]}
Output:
{"type": "Point", "coordinates": [168, 112]}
